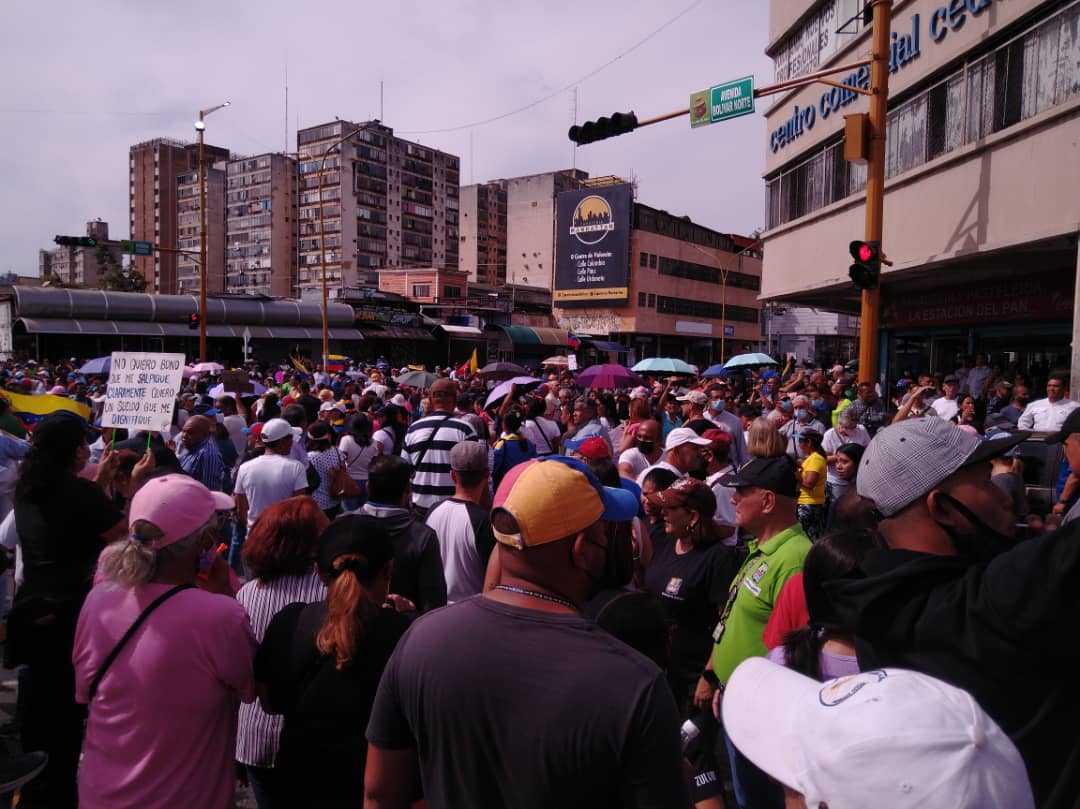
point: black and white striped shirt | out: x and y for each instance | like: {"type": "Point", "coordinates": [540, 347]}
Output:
{"type": "Point", "coordinates": [258, 733]}
{"type": "Point", "coordinates": [440, 433]}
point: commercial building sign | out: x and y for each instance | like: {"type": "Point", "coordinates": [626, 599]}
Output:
{"type": "Point", "coordinates": [592, 246]}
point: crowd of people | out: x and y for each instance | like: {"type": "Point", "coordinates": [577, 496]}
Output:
{"type": "Point", "coordinates": [756, 590]}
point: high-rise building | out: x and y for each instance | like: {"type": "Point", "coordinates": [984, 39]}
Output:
{"type": "Point", "coordinates": [189, 230]}
{"type": "Point", "coordinates": [153, 167]}
{"type": "Point", "coordinates": [84, 266]}
{"type": "Point", "coordinates": [261, 226]}
{"type": "Point", "coordinates": [385, 202]}
{"type": "Point", "coordinates": [483, 232]}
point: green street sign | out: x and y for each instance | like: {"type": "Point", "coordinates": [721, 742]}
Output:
{"type": "Point", "coordinates": [731, 99]}
{"type": "Point", "coordinates": [137, 248]}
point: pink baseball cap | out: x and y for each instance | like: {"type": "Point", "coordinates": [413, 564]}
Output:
{"type": "Point", "coordinates": [177, 505]}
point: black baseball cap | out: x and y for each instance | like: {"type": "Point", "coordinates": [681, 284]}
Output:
{"type": "Point", "coordinates": [1069, 426]}
{"type": "Point", "coordinates": [360, 534]}
{"type": "Point", "coordinates": [777, 475]}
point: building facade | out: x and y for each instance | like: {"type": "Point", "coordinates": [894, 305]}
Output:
{"type": "Point", "coordinates": [189, 230]}
{"type": "Point", "coordinates": [83, 266]}
{"type": "Point", "coordinates": [530, 225]}
{"type": "Point", "coordinates": [817, 337]}
{"type": "Point", "coordinates": [383, 202]}
{"type": "Point", "coordinates": [425, 285]}
{"type": "Point", "coordinates": [482, 248]}
{"type": "Point", "coordinates": [153, 167]}
{"type": "Point", "coordinates": [981, 208]}
{"type": "Point", "coordinates": [260, 226]}
{"type": "Point", "coordinates": [692, 293]}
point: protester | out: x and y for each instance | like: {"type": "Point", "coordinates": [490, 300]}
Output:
{"type": "Point", "coordinates": [645, 450]}
{"type": "Point", "coordinates": [763, 440]}
{"type": "Point", "coordinates": [162, 663]}
{"type": "Point", "coordinates": [462, 524]}
{"type": "Point", "coordinates": [418, 568]}
{"type": "Point", "coordinates": [718, 464]}
{"type": "Point", "coordinates": [319, 666]}
{"type": "Point", "coordinates": [948, 404]}
{"type": "Point", "coordinates": [199, 455]}
{"type": "Point", "coordinates": [682, 453]}
{"type": "Point", "coordinates": [543, 432]}
{"type": "Point", "coordinates": [271, 477]}
{"type": "Point", "coordinates": [357, 449]}
{"type": "Point", "coordinates": [888, 738]}
{"type": "Point", "coordinates": [280, 553]}
{"type": "Point", "coordinates": [512, 448]}
{"type": "Point", "coordinates": [811, 474]}
{"type": "Point", "coordinates": [63, 522]}
{"type": "Point", "coordinates": [847, 431]}
{"type": "Point", "coordinates": [427, 447]}
{"type": "Point", "coordinates": [585, 424]}
{"type": "Point", "coordinates": [1050, 413]}
{"type": "Point", "coordinates": [324, 458]}
{"type": "Point", "coordinates": [601, 718]}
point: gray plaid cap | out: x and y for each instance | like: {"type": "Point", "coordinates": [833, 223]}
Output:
{"type": "Point", "coordinates": [907, 460]}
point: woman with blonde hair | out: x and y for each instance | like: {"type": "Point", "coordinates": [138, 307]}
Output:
{"type": "Point", "coordinates": [763, 440]}
{"type": "Point", "coordinates": [319, 665]}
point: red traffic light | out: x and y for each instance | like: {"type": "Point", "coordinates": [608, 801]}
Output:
{"type": "Point", "coordinates": [865, 253]}
{"type": "Point", "coordinates": [867, 267]}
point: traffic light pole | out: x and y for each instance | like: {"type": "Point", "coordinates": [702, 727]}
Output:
{"type": "Point", "coordinates": [869, 321]}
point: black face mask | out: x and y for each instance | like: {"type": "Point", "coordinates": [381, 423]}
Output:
{"type": "Point", "coordinates": [646, 447]}
{"type": "Point", "coordinates": [984, 543]}
{"type": "Point", "coordinates": [619, 558]}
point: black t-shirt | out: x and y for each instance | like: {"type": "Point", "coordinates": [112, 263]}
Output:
{"type": "Point", "coordinates": [515, 707]}
{"type": "Point", "coordinates": [323, 750]}
{"type": "Point", "coordinates": [692, 587]}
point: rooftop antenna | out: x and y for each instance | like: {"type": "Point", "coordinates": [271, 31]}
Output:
{"type": "Point", "coordinates": [380, 100]}
{"type": "Point", "coordinates": [573, 122]}
{"type": "Point", "coordinates": [286, 104]}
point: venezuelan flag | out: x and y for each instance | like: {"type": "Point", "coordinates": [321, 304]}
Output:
{"type": "Point", "coordinates": [336, 362]}
{"type": "Point", "coordinates": [299, 366]}
{"type": "Point", "coordinates": [573, 341]}
{"type": "Point", "coordinates": [31, 409]}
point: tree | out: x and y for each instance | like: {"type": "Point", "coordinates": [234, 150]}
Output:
{"type": "Point", "coordinates": [116, 278]}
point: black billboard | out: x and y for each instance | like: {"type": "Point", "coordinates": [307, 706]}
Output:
{"type": "Point", "coordinates": [592, 246]}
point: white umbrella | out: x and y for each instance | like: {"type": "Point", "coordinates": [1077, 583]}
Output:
{"type": "Point", "coordinates": [206, 368]}
{"type": "Point", "coordinates": [219, 390]}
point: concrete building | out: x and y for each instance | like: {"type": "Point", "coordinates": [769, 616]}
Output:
{"type": "Point", "coordinates": [482, 253]}
{"type": "Point", "coordinates": [386, 202]}
{"type": "Point", "coordinates": [530, 225]}
{"type": "Point", "coordinates": [981, 202]}
{"type": "Point", "coordinates": [80, 265]}
{"type": "Point", "coordinates": [816, 336]}
{"type": "Point", "coordinates": [425, 285]}
{"type": "Point", "coordinates": [189, 230]}
{"type": "Point", "coordinates": [680, 289]}
{"type": "Point", "coordinates": [153, 167]}
{"type": "Point", "coordinates": [261, 222]}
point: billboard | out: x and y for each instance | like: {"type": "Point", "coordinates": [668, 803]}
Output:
{"type": "Point", "coordinates": [592, 246]}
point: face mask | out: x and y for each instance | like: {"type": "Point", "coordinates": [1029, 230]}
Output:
{"type": "Point", "coordinates": [800, 413]}
{"type": "Point", "coordinates": [718, 405]}
{"type": "Point", "coordinates": [646, 447]}
{"type": "Point", "coordinates": [818, 404]}
{"type": "Point", "coordinates": [982, 545]}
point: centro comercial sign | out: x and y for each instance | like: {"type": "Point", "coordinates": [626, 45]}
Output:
{"type": "Point", "coordinates": [903, 49]}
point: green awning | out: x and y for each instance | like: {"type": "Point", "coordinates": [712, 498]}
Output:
{"type": "Point", "coordinates": [528, 335]}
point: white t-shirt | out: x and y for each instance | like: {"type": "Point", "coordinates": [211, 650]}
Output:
{"type": "Point", "coordinates": [236, 424]}
{"type": "Point", "coordinates": [636, 460]}
{"type": "Point", "coordinates": [725, 509]}
{"type": "Point", "coordinates": [357, 458]}
{"type": "Point", "coordinates": [386, 439]}
{"type": "Point", "coordinates": [544, 434]}
{"type": "Point", "coordinates": [946, 408]}
{"type": "Point", "coordinates": [269, 479]}
{"type": "Point", "coordinates": [832, 442]}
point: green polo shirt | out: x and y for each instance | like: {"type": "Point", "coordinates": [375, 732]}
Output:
{"type": "Point", "coordinates": [760, 579]}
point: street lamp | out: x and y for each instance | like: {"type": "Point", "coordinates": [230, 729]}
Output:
{"type": "Point", "coordinates": [200, 127]}
{"type": "Point", "coordinates": [322, 246]}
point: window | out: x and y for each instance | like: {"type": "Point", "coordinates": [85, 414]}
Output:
{"type": "Point", "coordinates": [705, 309]}
{"type": "Point", "coordinates": [641, 299]}
{"type": "Point", "coordinates": [643, 259]}
{"type": "Point", "coordinates": [652, 301]}
{"type": "Point", "coordinates": [652, 261]}
{"type": "Point", "coordinates": [450, 292]}
{"type": "Point", "coordinates": [421, 290]}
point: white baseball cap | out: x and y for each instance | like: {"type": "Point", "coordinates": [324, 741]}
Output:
{"type": "Point", "coordinates": [888, 737]}
{"type": "Point", "coordinates": [276, 429]}
{"type": "Point", "coordinates": [684, 435]}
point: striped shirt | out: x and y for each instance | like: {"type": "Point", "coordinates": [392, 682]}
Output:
{"type": "Point", "coordinates": [258, 733]}
{"type": "Point", "coordinates": [439, 433]}
{"type": "Point", "coordinates": [204, 464]}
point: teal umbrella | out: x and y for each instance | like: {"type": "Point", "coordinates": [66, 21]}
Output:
{"type": "Point", "coordinates": [663, 365]}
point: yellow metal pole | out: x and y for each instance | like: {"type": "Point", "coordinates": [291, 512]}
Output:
{"type": "Point", "coordinates": [875, 184]}
{"type": "Point", "coordinates": [322, 248]}
{"type": "Point", "coordinates": [202, 249]}
{"type": "Point", "coordinates": [723, 315]}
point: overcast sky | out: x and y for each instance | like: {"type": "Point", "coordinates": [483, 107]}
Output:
{"type": "Point", "coordinates": [81, 82]}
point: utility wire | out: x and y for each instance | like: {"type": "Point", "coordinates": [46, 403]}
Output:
{"type": "Point", "coordinates": [561, 90]}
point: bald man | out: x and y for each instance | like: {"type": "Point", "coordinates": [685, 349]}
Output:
{"type": "Point", "coordinates": [198, 454]}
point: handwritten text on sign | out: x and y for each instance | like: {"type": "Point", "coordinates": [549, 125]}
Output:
{"type": "Point", "coordinates": [142, 390]}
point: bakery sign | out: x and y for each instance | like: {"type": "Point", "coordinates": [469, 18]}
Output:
{"type": "Point", "coordinates": [1046, 296]}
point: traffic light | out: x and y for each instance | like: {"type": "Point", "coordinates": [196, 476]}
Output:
{"type": "Point", "coordinates": [193, 320]}
{"type": "Point", "coordinates": [867, 267]}
{"type": "Point", "coordinates": [618, 123]}
{"type": "Point", "coordinates": [76, 241]}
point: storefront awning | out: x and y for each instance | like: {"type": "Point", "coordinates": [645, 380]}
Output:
{"type": "Point", "coordinates": [528, 335]}
{"type": "Point", "coordinates": [45, 325]}
{"type": "Point", "coordinates": [606, 345]}
{"type": "Point", "coordinates": [388, 331]}
{"type": "Point", "coordinates": [462, 331]}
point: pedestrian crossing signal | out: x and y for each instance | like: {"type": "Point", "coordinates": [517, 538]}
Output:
{"type": "Point", "coordinates": [867, 267]}
{"type": "Point", "coordinates": [193, 320]}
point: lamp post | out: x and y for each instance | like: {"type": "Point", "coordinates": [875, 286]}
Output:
{"type": "Point", "coordinates": [322, 246]}
{"type": "Point", "coordinates": [200, 127]}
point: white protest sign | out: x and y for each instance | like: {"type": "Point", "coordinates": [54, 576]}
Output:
{"type": "Point", "coordinates": [571, 362]}
{"type": "Point", "coordinates": [142, 390]}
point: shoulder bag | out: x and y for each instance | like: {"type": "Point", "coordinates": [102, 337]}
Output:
{"type": "Point", "coordinates": [342, 486]}
{"type": "Point", "coordinates": [110, 658]}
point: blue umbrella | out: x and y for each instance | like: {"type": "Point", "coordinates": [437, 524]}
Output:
{"type": "Point", "coordinates": [746, 360]}
{"type": "Point", "coordinates": [663, 365]}
{"type": "Point", "coordinates": [98, 366]}
{"type": "Point", "coordinates": [716, 370]}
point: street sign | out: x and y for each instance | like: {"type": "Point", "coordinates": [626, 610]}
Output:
{"type": "Point", "coordinates": [137, 248]}
{"type": "Point", "coordinates": [731, 99]}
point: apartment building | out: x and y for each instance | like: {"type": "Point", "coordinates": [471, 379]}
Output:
{"type": "Point", "coordinates": [981, 206]}
{"type": "Point", "coordinates": [80, 265]}
{"type": "Point", "coordinates": [261, 223]}
{"type": "Point", "coordinates": [483, 232]}
{"type": "Point", "coordinates": [381, 201]}
{"type": "Point", "coordinates": [189, 229]}
{"type": "Point", "coordinates": [153, 167]}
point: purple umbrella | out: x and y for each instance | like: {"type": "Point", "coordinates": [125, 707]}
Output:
{"type": "Point", "coordinates": [607, 375]}
{"type": "Point", "coordinates": [524, 383]}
